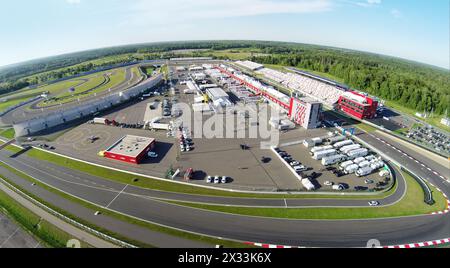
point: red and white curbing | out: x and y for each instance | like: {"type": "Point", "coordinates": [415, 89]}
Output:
{"type": "Point", "coordinates": [448, 203]}
{"type": "Point", "coordinates": [262, 245]}
{"type": "Point", "coordinates": [422, 244]}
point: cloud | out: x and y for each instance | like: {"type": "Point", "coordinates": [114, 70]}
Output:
{"type": "Point", "coordinates": [73, 2]}
{"type": "Point", "coordinates": [183, 10]}
{"type": "Point", "coordinates": [368, 3]}
{"type": "Point", "coordinates": [396, 13]}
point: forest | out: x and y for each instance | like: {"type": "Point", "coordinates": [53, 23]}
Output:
{"type": "Point", "coordinates": [410, 84]}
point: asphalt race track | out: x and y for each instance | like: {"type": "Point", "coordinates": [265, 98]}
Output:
{"type": "Point", "coordinates": [141, 203]}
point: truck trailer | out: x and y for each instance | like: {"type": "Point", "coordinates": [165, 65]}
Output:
{"type": "Point", "coordinates": [364, 171]}
{"type": "Point", "coordinates": [333, 140]}
{"type": "Point", "coordinates": [320, 148]}
{"type": "Point", "coordinates": [342, 144]}
{"type": "Point", "coordinates": [322, 154]}
{"type": "Point", "coordinates": [351, 169]}
{"type": "Point", "coordinates": [331, 160]}
{"type": "Point", "coordinates": [358, 153]}
{"type": "Point", "coordinates": [344, 165]}
{"type": "Point", "coordinates": [349, 148]}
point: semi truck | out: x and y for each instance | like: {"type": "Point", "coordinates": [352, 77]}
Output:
{"type": "Point", "coordinates": [364, 171]}
{"type": "Point", "coordinates": [331, 160]}
{"type": "Point", "coordinates": [342, 144]}
{"type": "Point", "coordinates": [322, 154]}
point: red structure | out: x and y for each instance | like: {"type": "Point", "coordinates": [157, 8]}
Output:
{"type": "Point", "coordinates": [130, 149]}
{"type": "Point", "coordinates": [358, 105]}
{"type": "Point", "coordinates": [256, 90]}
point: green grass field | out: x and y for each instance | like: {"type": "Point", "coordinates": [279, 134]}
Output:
{"type": "Point", "coordinates": [167, 185]}
{"type": "Point", "coordinates": [9, 103]}
{"type": "Point", "coordinates": [433, 120]}
{"type": "Point", "coordinates": [411, 204]}
{"type": "Point", "coordinates": [8, 133]}
{"type": "Point", "coordinates": [97, 81]}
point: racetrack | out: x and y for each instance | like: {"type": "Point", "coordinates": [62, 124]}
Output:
{"type": "Point", "coordinates": [140, 203]}
{"type": "Point", "coordinates": [95, 90]}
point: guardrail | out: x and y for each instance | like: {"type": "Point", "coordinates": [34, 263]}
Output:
{"type": "Point", "coordinates": [428, 199]}
{"type": "Point", "coordinates": [67, 219]}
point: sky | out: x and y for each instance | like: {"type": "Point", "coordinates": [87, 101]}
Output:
{"type": "Point", "coordinates": [414, 29]}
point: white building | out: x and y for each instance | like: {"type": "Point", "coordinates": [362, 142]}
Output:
{"type": "Point", "coordinates": [306, 112]}
{"type": "Point", "coordinates": [219, 97]}
{"type": "Point", "coordinates": [445, 121]}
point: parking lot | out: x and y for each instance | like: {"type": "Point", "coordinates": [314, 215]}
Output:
{"type": "Point", "coordinates": [243, 160]}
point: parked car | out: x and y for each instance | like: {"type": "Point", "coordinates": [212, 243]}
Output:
{"type": "Point", "coordinates": [209, 179]}
{"type": "Point", "coordinates": [300, 168]}
{"type": "Point", "coordinates": [368, 181]}
{"type": "Point", "coordinates": [328, 183]}
{"type": "Point", "coordinates": [216, 180]}
{"type": "Point", "coordinates": [224, 179]}
{"type": "Point", "coordinates": [295, 163]}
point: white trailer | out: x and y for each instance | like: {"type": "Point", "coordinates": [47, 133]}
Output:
{"type": "Point", "coordinates": [317, 140]}
{"type": "Point", "coordinates": [322, 154]}
{"type": "Point", "coordinates": [364, 164]}
{"type": "Point", "coordinates": [333, 140]}
{"type": "Point", "coordinates": [102, 121]}
{"type": "Point", "coordinates": [359, 160]}
{"type": "Point", "coordinates": [349, 148]}
{"type": "Point", "coordinates": [320, 148]}
{"type": "Point", "coordinates": [331, 160]}
{"type": "Point", "coordinates": [364, 171]}
{"type": "Point", "coordinates": [377, 165]}
{"type": "Point", "coordinates": [342, 144]}
{"type": "Point", "coordinates": [358, 153]}
{"type": "Point", "coordinates": [344, 165]}
{"type": "Point", "coordinates": [159, 126]}
{"type": "Point", "coordinates": [351, 169]}
{"type": "Point", "coordinates": [308, 184]}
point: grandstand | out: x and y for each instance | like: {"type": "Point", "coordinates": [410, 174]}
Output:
{"type": "Point", "coordinates": [253, 66]}
{"type": "Point", "coordinates": [319, 90]}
